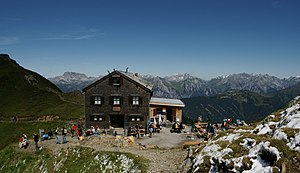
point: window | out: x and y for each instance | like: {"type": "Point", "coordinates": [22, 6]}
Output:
{"type": "Point", "coordinates": [136, 118]}
{"type": "Point", "coordinates": [95, 118]}
{"type": "Point", "coordinates": [135, 100]}
{"type": "Point", "coordinates": [116, 81]}
{"type": "Point", "coordinates": [116, 100]}
{"type": "Point", "coordinates": [98, 118]}
{"type": "Point", "coordinates": [97, 100]}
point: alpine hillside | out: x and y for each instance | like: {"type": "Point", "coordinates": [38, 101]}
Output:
{"type": "Point", "coordinates": [28, 95]}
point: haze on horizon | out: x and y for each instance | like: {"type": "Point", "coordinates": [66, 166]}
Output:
{"type": "Point", "coordinates": [203, 38]}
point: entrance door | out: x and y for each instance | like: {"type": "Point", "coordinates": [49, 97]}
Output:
{"type": "Point", "coordinates": [170, 114]}
{"type": "Point", "coordinates": [117, 121]}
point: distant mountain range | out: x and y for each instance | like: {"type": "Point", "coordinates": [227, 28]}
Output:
{"type": "Point", "coordinates": [187, 86]}
{"type": "Point", "coordinates": [249, 97]}
{"type": "Point", "coordinates": [243, 104]}
{"type": "Point", "coordinates": [71, 81]}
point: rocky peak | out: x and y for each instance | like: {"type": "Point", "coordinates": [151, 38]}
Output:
{"type": "Point", "coordinates": [73, 74]}
{"type": "Point", "coordinates": [179, 77]}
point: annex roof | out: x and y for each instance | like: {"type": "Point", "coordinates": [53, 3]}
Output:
{"type": "Point", "coordinates": [166, 102]}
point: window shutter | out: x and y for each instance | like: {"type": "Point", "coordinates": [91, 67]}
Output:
{"type": "Point", "coordinates": [121, 100]}
{"type": "Point", "coordinates": [111, 99]}
{"type": "Point", "coordinates": [130, 100]}
{"type": "Point", "coordinates": [92, 100]}
{"type": "Point", "coordinates": [102, 100]}
{"type": "Point", "coordinates": [121, 81]}
{"type": "Point", "coordinates": [140, 100]}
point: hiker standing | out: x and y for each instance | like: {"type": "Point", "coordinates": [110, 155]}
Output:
{"type": "Point", "coordinates": [64, 133]}
{"type": "Point", "coordinates": [73, 129]}
{"type": "Point", "coordinates": [36, 140]}
{"type": "Point", "coordinates": [151, 129]}
{"type": "Point", "coordinates": [57, 141]}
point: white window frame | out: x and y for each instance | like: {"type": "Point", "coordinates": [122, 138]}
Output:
{"type": "Point", "coordinates": [95, 117]}
{"type": "Point", "coordinates": [135, 100]}
{"type": "Point", "coordinates": [116, 100]}
{"type": "Point", "coordinates": [97, 100]}
{"type": "Point", "coordinates": [98, 118]}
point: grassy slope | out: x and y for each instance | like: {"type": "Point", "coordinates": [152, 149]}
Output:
{"type": "Point", "coordinates": [27, 94]}
{"type": "Point", "coordinates": [10, 132]}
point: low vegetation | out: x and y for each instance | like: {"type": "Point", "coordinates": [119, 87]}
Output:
{"type": "Point", "coordinates": [11, 131]}
{"type": "Point", "coordinates": [77, 159]}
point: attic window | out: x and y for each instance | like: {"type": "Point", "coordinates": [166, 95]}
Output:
{"type": "Point", "coordinates": [116, 81]}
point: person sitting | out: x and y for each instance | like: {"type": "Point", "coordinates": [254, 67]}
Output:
{"type": "Point", "coordinates": [50, 133]}
{"type": "Point", "coordinates": [23, 141]}
{"type": "Point", "coordinates": [97, 130]}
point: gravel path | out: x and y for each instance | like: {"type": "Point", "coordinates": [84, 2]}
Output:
{"type": "Point", "coordinates": [164, 150]}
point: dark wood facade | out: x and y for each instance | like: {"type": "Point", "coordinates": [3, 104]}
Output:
{"type": "Point", "coordinates": [118, 100]}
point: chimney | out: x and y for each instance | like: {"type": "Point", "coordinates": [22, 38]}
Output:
{"type": "Point", "coordinates": [126, 70]}
{"type": "Point", "coordinates": [136, 74]}
{"type": "Point", "coordinates": [108, 71]}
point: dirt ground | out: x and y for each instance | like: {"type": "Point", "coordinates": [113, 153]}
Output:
{"type": "Point", "coordinates": [164, 150]}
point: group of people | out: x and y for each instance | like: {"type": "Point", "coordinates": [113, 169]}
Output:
{"type": "Point", "coordinates": [93, 131]}
{"type": "Point", "coordinates": [42, 135]}
{"type": "Point", "coordinates": [177, 127]}
{"type": "Point", "coordinates": [208, 132]}
{"type": "Point", "coordinates": [24, 143]}
{"type": "Point", "coordinates": [63, 131]}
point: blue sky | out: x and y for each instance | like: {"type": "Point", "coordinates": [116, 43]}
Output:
{"type": "Point", "coordinates": [159, 37]}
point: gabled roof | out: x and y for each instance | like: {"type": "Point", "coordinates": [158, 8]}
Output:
{"type": "Point", "coordinates": [129, 76]}
{"type": "Point", "coordinates": [135, 77]}
{"type": "Point", "coordinates": [166, 102]}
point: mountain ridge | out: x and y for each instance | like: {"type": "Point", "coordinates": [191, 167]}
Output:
{"type": "Point", "coordinates": [187, 86]}
{"type": "Point", "coordinates": [238, 104]}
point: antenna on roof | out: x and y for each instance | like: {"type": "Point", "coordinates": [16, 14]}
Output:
{"type": "Point", "coordinates": [126, 69]}
{"type": "Point", "coordinates": [108, 71]}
